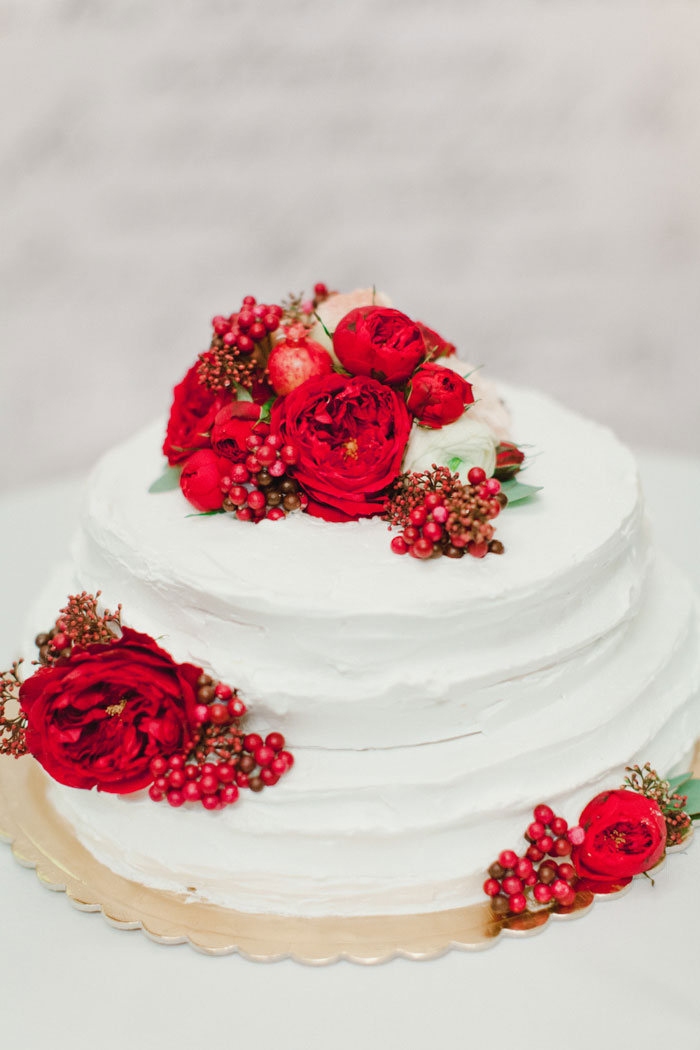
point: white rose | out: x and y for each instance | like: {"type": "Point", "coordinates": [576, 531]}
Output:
{"type": "Point", "coordinates": [468, 440]}
{"type": "Point", "coordinates": [335, 307]}
{"type": "Point", "coordinates": [488, 408]}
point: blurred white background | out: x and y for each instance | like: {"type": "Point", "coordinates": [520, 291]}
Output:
{"type": "Point", "coordinates": [524, 177]}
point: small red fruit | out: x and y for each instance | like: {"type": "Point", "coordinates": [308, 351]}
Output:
{"type": "Point", "coordinates": [289, 365]}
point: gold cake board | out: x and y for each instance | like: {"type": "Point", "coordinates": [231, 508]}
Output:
{"type": "Point", "coordinates": [42, 840]}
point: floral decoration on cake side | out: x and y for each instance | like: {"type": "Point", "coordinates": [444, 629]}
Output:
{"type": "Point", "coordinates": [620, 834]}
{"type": "Point", "coordinates": [334, 405]}
{"type": "Point", "coordinates": [109, 708]}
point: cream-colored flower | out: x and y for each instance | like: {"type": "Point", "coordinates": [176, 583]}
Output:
{"type": "Point", "coordinates": [488, 407]}
{"type": "Point", "coordinates": [335, 307]}
{"type": "Point", "coordinates": [472, 443]}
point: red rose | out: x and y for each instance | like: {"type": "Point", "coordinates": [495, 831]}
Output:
{"type": "Point", "coordinates": [232, 427]}
{"type": "Point", "coordinates": [350, 432]}
{"type": "Point", "coordinates": [200, 480]}
{"type": "Point", "coordinates": [379, 342]}
{"type": "Point", "coordinates": [437, 395]}
{"type": "Point", "coordinates": [509, 460]}
{"type": "Point", "coordinates": [98, 717]}
{"type": "Point", "coordinates": [625, 834]}
{"type": "Point", "coordinates": [435, 344]}
{"type": "Point", "coordinates": [191, 415]}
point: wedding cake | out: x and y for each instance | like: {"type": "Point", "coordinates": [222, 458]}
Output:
{"type": "Point", "coordinates": [429, 702]}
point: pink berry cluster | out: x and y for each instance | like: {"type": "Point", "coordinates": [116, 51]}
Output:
{"type": "Point", "coordinates": [447, 517]}
{"type": "Point", "coordinates": [231, 357]}
{"type": "Point", "coordinates": [541, 876]}
{"type": "Point", "coordinates": [221, 760]}
{"type": "Point", "coordinates": [261, 486]}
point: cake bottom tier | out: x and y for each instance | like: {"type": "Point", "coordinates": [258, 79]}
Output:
{"type": "Point", "coordinates": [411, 829]}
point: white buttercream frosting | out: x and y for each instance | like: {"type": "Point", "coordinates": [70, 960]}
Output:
{"type": "Point", "coordinates": [429, 705]}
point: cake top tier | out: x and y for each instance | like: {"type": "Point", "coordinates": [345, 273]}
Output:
{"type": "Point", "coordinates": [343, 644]}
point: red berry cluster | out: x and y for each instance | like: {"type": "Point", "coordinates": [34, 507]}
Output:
{"type": "Point", "coordinates": [646, 781]}
{"type": "Point", "coordinates": [440, 515]}
{"type": "Point", "coordinates": [261, 486]}
{"type": "Point", "coordinates": [298, 309]}
{"type": "Point", "coordinates": [541, 873]}
{"type": "Point", "coordinates": [79, 623]}
{"type": "Point", "coordinates": [13, 723]}
{"type": "Point", "coordinates": [238, 345]}
{"type": "Point", "coordinates": [221, 761]}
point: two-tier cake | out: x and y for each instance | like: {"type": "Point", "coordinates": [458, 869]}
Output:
{"type": "Point", "coordinates": [429, 702]}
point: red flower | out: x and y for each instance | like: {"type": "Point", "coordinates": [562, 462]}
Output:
{"type": "Point", "coordinates": [625, 834]}
{"type": "Point", "coordinates": [379, 342]}
{"type": "Point", "coordinates": [350, 433]}
{"type": "Point", "coordinates": [191, 415]}
{"type": "Point", "coordinates": [232, 426]}
{"type": "Point", "coordinates": [98, 717]}
{"type": "Point", "coordinates": [435, 344]}
{"type": "Point", "coordinates": [200, 480]}
{"type": "Point", "coordinates": [437, 395]}
{"type": "Point", "coordinates": [509, 460]}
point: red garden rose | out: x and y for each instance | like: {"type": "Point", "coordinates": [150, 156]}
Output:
{"type": "Point", "coordinates": [625, 834]}
{"type": "Point", "coordinates": [98, 717]}
{"type": "Point", "coordinates": [232, 427]}
{"type": "Point", "coordinates": [435, 345]}
{"type": "Point", "coordinates": [437, 395]}
{"type": "Point", "coordinates": [350, 433]}
{"type": "Point", "coordinates": [191, 416]}
{"type": "Point", "coordinates": [509, 460]}
{"type": "Point", "coordinates": [200, 480]}
{"type": "Point", "coordinates": [379, 342]}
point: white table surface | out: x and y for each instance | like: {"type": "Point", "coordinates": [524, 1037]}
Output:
{"type": "Point", "coordinates": [625, 975]}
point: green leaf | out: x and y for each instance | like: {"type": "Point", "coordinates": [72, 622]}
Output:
{"type": "Point", "coordinates": [677, 782]}
{"type": "Point", "coordinates": [169, 479]}
{"type": "Point", "coordinates": [266, 410]}
{"type": "Point", "coordinates": [691, 788]}
{"type": "Point", "coordinates": [518, 491]}
{"type": "Point", "coordinates": [455, 463]}
{"type": "Point", "coordinates": [243, 394]}
{"type": "Point", "coordinates": [205, 513]}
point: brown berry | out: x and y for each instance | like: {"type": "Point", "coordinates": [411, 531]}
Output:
{"type": "Point", "coordinates": [246, 764]}
{"type": "Point", "coordinates": [204, 679]}
{"type": "Point", "coordinates": [256, 784]}
{"type": "Point", "coordinates": [206, 693]}
{"type": "Point", "coordinates": [497, 871]}
{"type": "Point", "coordinates": [291, 501]}
{"type": "Point", "coordinates": [499, 904]}
{"type": "Point", "coordinates": [41, 640]}
{"type": "Point", "coordinates": [496, 547]}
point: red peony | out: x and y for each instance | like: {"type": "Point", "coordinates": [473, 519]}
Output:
{"type": "Point", "coordinates": [435, 345]}
{"type": "Point", "coordinates": [437, 395]}
{"type": "Point", "coordinates": [350, 433]}
{"type": "Point", "coordinates": [379, 342]}
{"type": "Point", "coordinates": [232, 427]}
{"type": "Point", "coordinates": [509, 460]}
{"type": "Point", "coordinates": [200, 480]}
{"type": "Point", "coordinates": [191, 416]}
{"type": "Point", "coordinates": [625, 835]}
{"type": "Point", "coordinates": [98, 718]}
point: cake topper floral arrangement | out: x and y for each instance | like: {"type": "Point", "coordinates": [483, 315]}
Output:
{"type": "Point", "coordinates": [107, 707]}
{"type": "Point", "coordinates": [343, 407]}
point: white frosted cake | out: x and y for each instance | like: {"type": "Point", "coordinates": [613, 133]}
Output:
{"type": "Point", "coordinates": [429, 706]}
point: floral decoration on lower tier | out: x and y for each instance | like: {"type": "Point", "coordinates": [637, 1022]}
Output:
{"type": "Point", "coordinates": [342, 407]}
{"type": "Point", "coordinates": [620, 834]}
{"type": "Point", "coordinates": [108, 708]}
